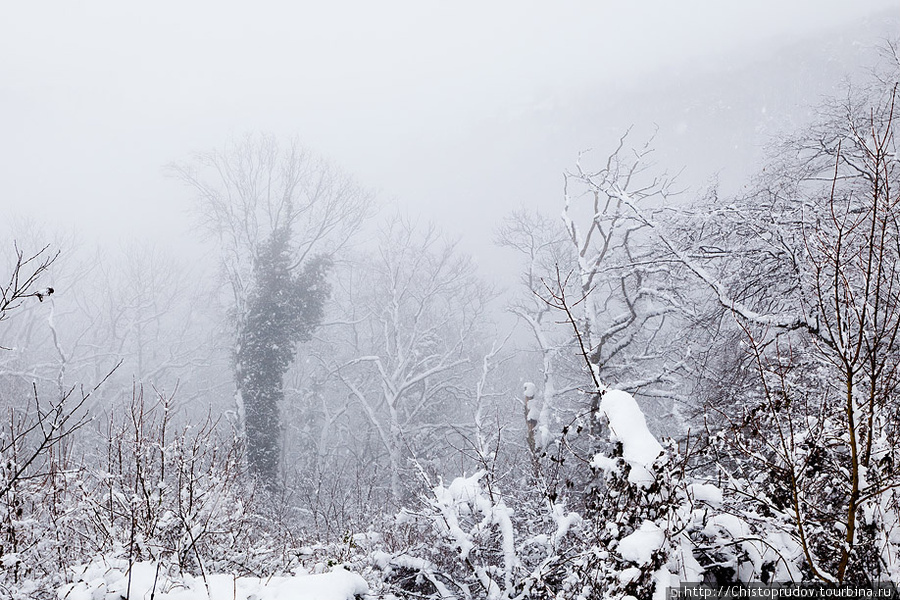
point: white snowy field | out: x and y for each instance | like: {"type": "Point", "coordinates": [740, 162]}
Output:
{"type": "Point", "coordinates": [116, 579]}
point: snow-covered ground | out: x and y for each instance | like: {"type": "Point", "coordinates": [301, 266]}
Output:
{"type": "Point", "coordinates": [102, 580]}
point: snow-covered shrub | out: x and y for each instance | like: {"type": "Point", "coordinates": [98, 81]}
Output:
{"type": "Point", "coordinates": [806, 470]}
{"type": "Point", "coordinates": [646, 520]}
{"type": "Point", "coordinates": [476, 542]}
{"type": "Point", "coordinates": [628, 506]}
{"type": "Point", "coordinates": [179, 496]}
{"type": "Point", "coordinates": [149, 492]}
{"type": "Point", "coordinates": [40, 522]}
{"type": "Point", "coordinates": [466, 542]}
{"type": "Point", "coordinates": [653, 520]}
{"type": "Point", "coordinates": [160, 492]}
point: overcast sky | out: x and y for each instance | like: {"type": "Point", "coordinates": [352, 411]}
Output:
{"type": "Point", "coordinates": [96, 97]}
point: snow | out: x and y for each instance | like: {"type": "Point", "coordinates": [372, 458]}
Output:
{"type": "Point", "coordinates": [603, 463]}
{"type": "Point", "coordinates": [773, 546]}
{"type": "Point", "coordinates": [733, 525]}
{"type": "Point", "coordinates": [10, 560]}
{"type": "Point", "coordinates": [664, 580]}
{"type": "Point", "coordinates": [453, 500]}
{"type": "Point", "coordinates": [686, 565]}
{"type": "Point", "coordinates": [642, 543]}
{"type": "Point", "coordinates": [705, 492]}
{"type": "Point", "coordinates": [465, 497]}
{"type": "Point", "coordinates": [534, 408]}
{"type": "Point", "coordinates": [628, 575]}
{"type": "Point", "coordinates": [564, 521]}
{"type": "Point", "coordinates": [101, 579]}
{"type": "Point", "coordinates": [628, 426]}
{"type": "Point", "coordinates": [427, 569]}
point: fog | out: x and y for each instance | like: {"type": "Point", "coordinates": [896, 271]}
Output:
{"type": "Point", "coordinates": [440, 107]}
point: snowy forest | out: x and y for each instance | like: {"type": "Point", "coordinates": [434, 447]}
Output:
{"type": "Point", "coordinates": [335, 402]}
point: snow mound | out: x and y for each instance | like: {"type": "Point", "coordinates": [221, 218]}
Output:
{"type": "Point", "coordinates": [642, 543]}
{"type": "Point", "coordinates": [146, 580]}
{"type": "Point", "coordinates": [628, 425]}
{"type": "Point", "coordinates": [705, 492]}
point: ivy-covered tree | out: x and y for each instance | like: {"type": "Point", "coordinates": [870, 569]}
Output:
{"type": "Point", "coordinates": [279, 215]}
{"type": "Point", "coordinates": [282, 310]}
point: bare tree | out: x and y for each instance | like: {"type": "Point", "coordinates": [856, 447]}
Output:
{"type": "Point", "coordinates": [630, 296]}
{"type": "Point", "coordinates": [35, 446]}
{"type": "Point", "coordinates": [553, 399]}
{"type": "Point", "coordinates": [627, 298]}
{"type": "Point", "coordinates": [26, 354]}
{"type": "Point", "coordinates": [414, 323]}
{"type": "Point", "coordinates": [24, 276]}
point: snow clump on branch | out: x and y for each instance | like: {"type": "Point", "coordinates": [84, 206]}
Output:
{"type": "Point", "coordinates": [628, 426]}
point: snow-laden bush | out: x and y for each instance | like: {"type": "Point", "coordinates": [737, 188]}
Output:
{"type": "Point", "coordinates": [156, 491]}
{"type": "Point", "coordinates": [793, 472]}
{"type": "Point", "coordinates": [642, 524]}
{"type": "Point", "coordinates": [147, 491]}
{"type": "Point", "coordinates": [41, 526]}
{"type": "Point", "coordinates": [469, 544]}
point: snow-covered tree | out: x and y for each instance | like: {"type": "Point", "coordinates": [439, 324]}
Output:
{"type": "Point", "coordinates": [623, 299]}
{"type": "Point", "coordinates": [807, 265]}
{"type": "Point", "coordinates": [133, 303]}
{"type": "Point", "coordinates": [414, 314]}
{"type": "Point", "coordinates": [542, 244]}
{"type": "Point", "coordinates": [630, 298]}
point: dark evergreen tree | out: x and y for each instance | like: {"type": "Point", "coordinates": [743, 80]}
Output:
{"type": "Point", "coordinates": [284, 307]}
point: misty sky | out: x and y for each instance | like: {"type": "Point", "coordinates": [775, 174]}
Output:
{"type": "Point", "coordinates": [96, 97]}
